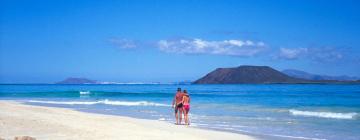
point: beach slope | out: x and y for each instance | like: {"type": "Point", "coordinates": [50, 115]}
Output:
{"type": "Point", "coordinates": [61, 124]}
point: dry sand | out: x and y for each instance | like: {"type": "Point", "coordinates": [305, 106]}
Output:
{"type": "Point", "coordinates": [49, 123]}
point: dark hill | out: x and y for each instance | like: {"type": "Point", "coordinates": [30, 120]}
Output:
{"type": "Point", "coordinates": [77, 81]}
{"type": "Point", "coordinates": [247, 74]}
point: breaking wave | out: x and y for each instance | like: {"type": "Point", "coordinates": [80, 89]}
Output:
{"type": "Point", "coordinates": [84, 92]}
{"type": "Point", "coordinates": [332, 115]}
{"type": "Point", "coordinates": [106, 101]}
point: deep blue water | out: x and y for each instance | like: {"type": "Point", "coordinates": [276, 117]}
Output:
{"type": "Point", "coordinates": [274, 111]}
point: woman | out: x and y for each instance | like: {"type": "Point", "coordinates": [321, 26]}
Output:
{"type": "Point", "coordinates": [186, 106]}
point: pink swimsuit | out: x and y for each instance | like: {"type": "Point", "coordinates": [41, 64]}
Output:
{"type": "Point", "coordinates": [187, 107]}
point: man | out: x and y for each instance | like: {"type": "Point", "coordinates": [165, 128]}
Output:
{"type": "Point", "coordinates": [177, 104]}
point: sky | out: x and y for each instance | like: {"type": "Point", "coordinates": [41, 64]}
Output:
{"type": "Point", "coordinates": [44, 41]}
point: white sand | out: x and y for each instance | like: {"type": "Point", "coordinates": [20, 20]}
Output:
{"type": "Point", "coordinates": [48, 123]}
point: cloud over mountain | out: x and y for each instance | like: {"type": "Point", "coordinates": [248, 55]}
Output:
{"type": "Point", "coordinates": [223, 47]}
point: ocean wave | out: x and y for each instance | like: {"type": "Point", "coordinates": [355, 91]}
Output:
{"type": "Point", "coordinates": [84, 92]}
{"type": "Point", "coordinates": [65, 103]}
{"type": "Point", "coordinates": [106, 101]}
{"type": "Point", "coordinates": [127, 103]}
{"type": "Point", "coordinates": [296, 137]}
{"type": "Point", "coordinates": [332, 115]}
{"type": "Point", "coordinates": [277, 135]}
{"type": "Point", "coordinates": [131, 83]}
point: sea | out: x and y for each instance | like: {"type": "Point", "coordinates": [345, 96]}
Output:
{"type": "Point", "coordinates": [265, 111]}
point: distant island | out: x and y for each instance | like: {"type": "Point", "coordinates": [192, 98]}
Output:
{"type": "Point", "coordinates": [258, 75]}
{"type": "Point", "coordinates": [77, 81]}
{"type": "Point", "coordinates": [311, 76]}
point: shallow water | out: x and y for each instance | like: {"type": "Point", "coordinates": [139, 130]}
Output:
{"type": "Point", "coordinates": [276, 111]}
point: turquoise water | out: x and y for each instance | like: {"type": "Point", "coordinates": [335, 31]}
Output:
{"type": "Point", "coordinates": [272, 111]}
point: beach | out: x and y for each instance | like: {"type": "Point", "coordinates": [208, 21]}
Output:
{"type": "Point", "coordinates": [271, 112]}
{"type": "Point", "coordinates": [53, 123]}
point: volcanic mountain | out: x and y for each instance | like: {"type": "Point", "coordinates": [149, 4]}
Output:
{"type": "Point", "coordinates": [247, 75]}
{"type": "Point", "coordinates": [77, 81]}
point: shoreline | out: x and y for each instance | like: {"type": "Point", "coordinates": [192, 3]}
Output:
{"type": "Point", "coordinates": [54, 123]}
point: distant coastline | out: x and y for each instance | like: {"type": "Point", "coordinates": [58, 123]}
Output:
{"type": "Point", "coordinates": [314, 83]}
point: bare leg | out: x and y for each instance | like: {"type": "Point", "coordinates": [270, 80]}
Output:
{"type": "Point", "coordinates": [176, 117]}
{"type": "Point", "coordinates": [186, 117]}
{"type": "Point", "coordinates": [180, 113]}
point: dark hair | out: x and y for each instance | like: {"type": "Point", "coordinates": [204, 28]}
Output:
{"type": "Point", "coordinates": [185, 91]}
{"type": "Point", "coordinates": [179, 89]}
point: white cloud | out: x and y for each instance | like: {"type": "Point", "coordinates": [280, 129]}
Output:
{"type": "Point", "coordinates": [327, 54]}
{"type": "Point", "coordinates": [123, 43]}
{"type": "Point", "coordinates": [224, 47]}
{"type": "Point", "coordinates": [292, 53]}
{"type": "Point", "coordinates": [323, 54]}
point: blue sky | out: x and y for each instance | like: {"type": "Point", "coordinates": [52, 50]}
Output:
{"type": "Point", "coordinates": [145, 40]}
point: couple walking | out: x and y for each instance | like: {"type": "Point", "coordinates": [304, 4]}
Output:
{"type": "Point", "coordinates": [181, 103]}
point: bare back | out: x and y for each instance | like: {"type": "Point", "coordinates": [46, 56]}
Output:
{"type": "Point", "coordinates": [186, 99]}
{"type": "Point", "coordinates": [178, 97]}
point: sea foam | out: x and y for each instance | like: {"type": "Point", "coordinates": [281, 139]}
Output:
{"type": "Point", "coordinates": [332, 115]}
{"type": "Point", "coordinates": [106, 101]}
{"type": "Point", "coordinates": [84, 92]}
{"type": "Point", "coordinates": [127, 103]}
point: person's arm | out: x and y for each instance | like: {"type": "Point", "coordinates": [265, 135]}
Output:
{"type": "Point", "coordinates": [173, 102]}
